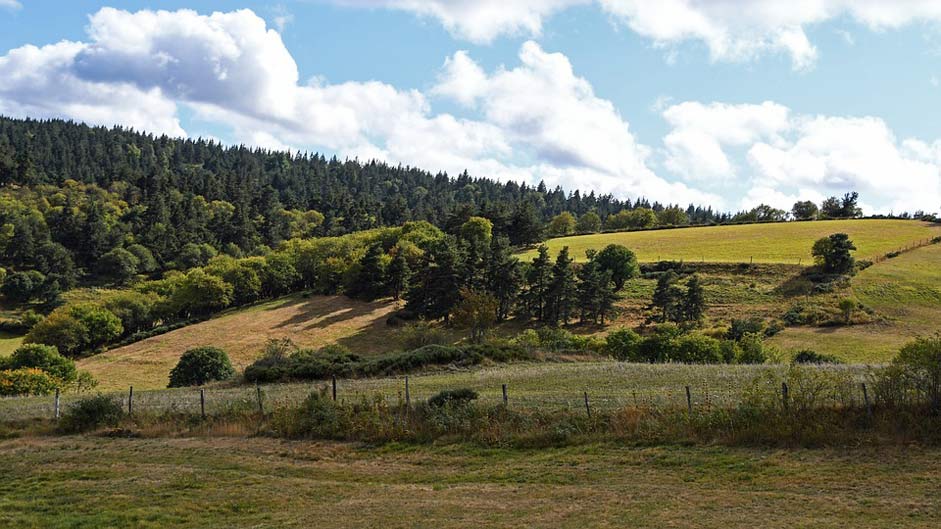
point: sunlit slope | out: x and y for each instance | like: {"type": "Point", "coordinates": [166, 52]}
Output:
{"type": "Point", "coordinates": [905, 292]}
{"type": "Point", "coordinates": [787, 243]}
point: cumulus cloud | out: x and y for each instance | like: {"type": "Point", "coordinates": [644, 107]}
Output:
{"type": "Point", "coordinates": [544, 109]}
{"type": "Point", "coordinates": [10, 4]}
{"type": "Point", "coordinates": [732, 30]}
{"type": "Point", "coordinates": [796, 157]}
{"type": "Point", "coordinates": [536, 121]}
{"type": "Point", "coordinates": [478, 21]}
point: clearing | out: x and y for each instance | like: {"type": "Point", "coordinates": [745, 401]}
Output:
{"type": "Point", "coordinates": [782, 242]}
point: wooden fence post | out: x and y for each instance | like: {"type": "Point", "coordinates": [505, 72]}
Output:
{"type": "Point", "coordinates": [784, 398]}
{"type": "Point", "coordinates": [261, 406]}
{"type": "Point", "coordinates": [57, 404]}
{"type": "Point", "coordinates": [408, 396]}
{"type": "Point", "coordinates": [505, 399]}
{"type": "Point", "coordinates": [689, 400]}
{"type": "Point", "coordinates": [866, 398]}
{"type": "Point", "coordinates": [334, 386]}
{"type": "Point", "coordinates": [587, 406]}
{"type": "Point", "coordinates": [130, 401]}
{"type": "Point", "coordinates": [202, 402]}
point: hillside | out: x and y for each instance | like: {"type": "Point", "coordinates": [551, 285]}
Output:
{"type": "Point", "coordinates": [906, 294]}
{"type": "Point", "coordinates": [309, 322]}
{"type": "Point", "coordinates": [787, 243]}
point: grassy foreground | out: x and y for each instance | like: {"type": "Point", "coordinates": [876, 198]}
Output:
{"type": "Point", "coordinates": [787, 242]}
{"type": "Point", "coordinates": [81, 482]}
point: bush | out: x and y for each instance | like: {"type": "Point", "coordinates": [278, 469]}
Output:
{"type": "Point", "coordinates": [751, 350]}
{"type": "Point", "coordinates": [807, 356]}
{"type": "Point", "coordinates": [920, 363]}
{"type": "Point", "coordinates": [420, 334]}
{"type": "Point", "coordinates": [623, 345]}
{"type": "Point", "coordinates": [45, 358]}
{"type": "Point", "coordinates": [90, 413]}
{"type": "Point", "coordinates": [201, 365]}
{"type": "Point", "coordinates": [26, 381]}
{"type": "Point", "coordinates": [453, 397]}
{"type": "Point", "coordinates": [741, 327]}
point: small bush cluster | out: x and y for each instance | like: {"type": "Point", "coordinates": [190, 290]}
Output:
{"type": "Point", "coordinates": [556, 340]}
{"type": "Point", "coordinates": [35, 369]}
{"type": "Point", "coordinates": [308, 364]}
{"type": "Point", "coordinates": [812, 357]}
{"type": "Point", "coordinates": [669, 343]}
{"type": "Point", "coordinates": [91, 413]}
{"type": "Point", "coordinates": [201, 365]}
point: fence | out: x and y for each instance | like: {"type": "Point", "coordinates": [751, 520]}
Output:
{"type": "Point", "coordinates": [603, 386]}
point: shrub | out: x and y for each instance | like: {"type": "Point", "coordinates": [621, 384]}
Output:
{"type": "Point", "coordinates": [807, 356]}
{"type": "Point", "coordinates": [751, 350]}
{"type": "Point", "coordinates": [201, 365]}
{"type": "Point", "coordinates": [90, 413]}
{"type": "Point", "coordinates": [696, 349]}
{"type": "Point", "coordinates": [45, 358]}
{"type": "Point", "coordinates": [26, 381]}
{"type": "Point", "coordinates": [920, 362]}
{"type": "Point", "coordinates": [623, 344]}
{"type": "Point", "coordinates": [420, 334]}
{"type": "Point", "coordinates": [741, 327]}
{"type": "Point", "coordinates": [453, 397]}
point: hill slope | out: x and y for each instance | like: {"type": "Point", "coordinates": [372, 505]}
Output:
{"type": "Point", "coordinates": [309, 322]}
{"type": "Point", "coordinates": [787, 242]}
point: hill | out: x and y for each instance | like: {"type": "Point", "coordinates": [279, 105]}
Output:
{"type": "Point", "coordinates": [905, 292]}
{"type": "Point", "coordinates": [310, 322]}
{"type": "Point", "coordinates": [785, 242]}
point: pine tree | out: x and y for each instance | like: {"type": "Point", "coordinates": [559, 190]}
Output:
{"type": "Point", "coordinates": [538, 284]}
{"type": "Point", "coordinates": [370, 281]}
{"type": "Point", "coordinates": [436, 288]}
{"type": "Point", "coordinates": [595, 291]}
{"type": "Point", "coordinates": [667, 299]}
{"type": "Point", "coordinates": [694, 302]}
{"type": "Point", "coordinates": [504, 276]}
{"type": "Point", "coordinates": [563, 293]}
{"type": "Point", "coordinates": [397, 275]}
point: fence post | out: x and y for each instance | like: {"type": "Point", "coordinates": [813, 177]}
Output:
{"type": "Point", "coordinates": [334, 386]}
{"type": "Point", "coordinates": [784, 399]}
{"type": "Point", "coordinates": [408, 396]}
{"type": "Point", "coordinates": [202, 402]}
{"type": "Point", "coordinates": [57, 404]}
{"type": "Point", "coordinates": [130, 400]}
{"type": "Point", "coordinates": [505, 400]}
{"type": "Point", "coordinates": [261, 406]}
{"type": "Point", "coordinates": [689, 400]}
{"type": "Point", "coordinates": [866, 398]}
{"type": "Point", "coordinates": [587, 406]}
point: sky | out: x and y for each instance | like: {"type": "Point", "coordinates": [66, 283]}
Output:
{"type": "Point", "coordinates": [727, 103]}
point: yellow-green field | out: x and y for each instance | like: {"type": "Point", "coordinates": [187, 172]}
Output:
{"type": "Point", "coordinates": [232, 483]}
{"type": "Point", "coordinates": [787, 243]}
{"type": "Point", "coordinates": [310, 322]}
{"type": "Point", "coordinates": [905, 291]}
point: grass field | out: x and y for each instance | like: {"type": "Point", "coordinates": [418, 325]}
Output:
{"type": "Point", "coordinates": [547, 386]}
{"type": "Point", "coordinates": [310, 322]}
{"type": "Point", "coordinates": [767, 243]}
{"type": "Point", "coordinates": [81, 482]}
{"type": "Point", "coordinates": [905, 291]}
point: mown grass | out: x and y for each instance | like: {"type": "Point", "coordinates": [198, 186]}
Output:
{"type": "Point", "coordinates": [787, 243]}
{"type": "Point", "coordinates": [547, 386]}
{"type": "Point", "coordinates": [905, 293]}
{"type": "Point", "coordinates": [80, 482]}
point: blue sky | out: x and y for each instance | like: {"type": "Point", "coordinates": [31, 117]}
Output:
{"type": "Point", "coordinates": [727, 102]}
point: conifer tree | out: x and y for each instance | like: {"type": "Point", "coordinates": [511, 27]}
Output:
{"type": "Point", "coordinates": [539, 284]}
{"type": "Point", "coordinates": [397, 275]}
{"type": "Point", "coordinates": [563, 292]}
{"type": "Point", "coordinates": [504, 276]}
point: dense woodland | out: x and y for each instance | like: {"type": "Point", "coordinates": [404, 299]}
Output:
{"type": "Point", "coordinates": [73, 193]}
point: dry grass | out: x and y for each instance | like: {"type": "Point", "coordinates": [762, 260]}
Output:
{"type": "Point", "coordinates": [311, 322]}
{"type": "Point", "coordinates": [248, 483]}
{"type": "Point", "coordinates": [766, 243]}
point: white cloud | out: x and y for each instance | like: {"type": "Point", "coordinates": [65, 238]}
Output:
{"type": "Point", "coordinates": [695, 145]}
{"type": "Point", "coordinates": [545, 110]}
{"type": "Point", "coordinates": [792, 157]}
{"type": "Point", "coordinates": [536, 121]}
{"type": "Point", "coordinates": [732, 30]}
{"type": "Point", "coordinates": [10, 4]}
{"type": "Point", "coordinates": [478, 21]}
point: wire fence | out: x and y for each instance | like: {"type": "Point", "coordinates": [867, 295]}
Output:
{"type": "Point", "coordinates": [607, 386]}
